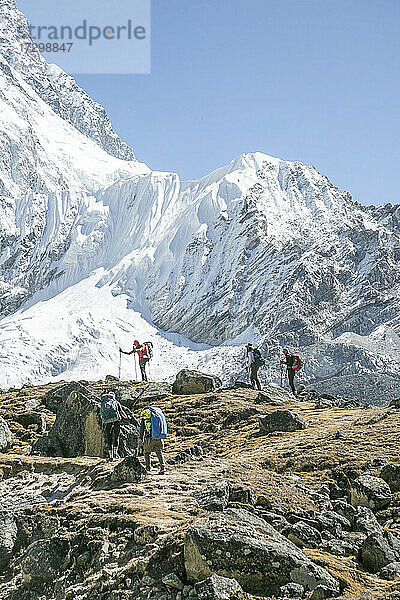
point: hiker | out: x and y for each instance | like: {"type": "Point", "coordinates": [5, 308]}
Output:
{"type": "Point", "coordinates": [142, 351]}
{"type": "Point", "coordinates": [111, 413]}
{"type": "Point", "coordinates": [293, 364]}
{"type": "Point", "coordinates": [153, 431]}
{"type": "Point", "coordinates": [254, 362]}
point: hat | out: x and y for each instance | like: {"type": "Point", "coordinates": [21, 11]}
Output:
{"type": "Point", "coordinates": [249, 345]}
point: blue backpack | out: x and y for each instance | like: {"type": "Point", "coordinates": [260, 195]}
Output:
{"type": "Point", "coordinates": [109, 408]}
{"type": "Point", "coordinates": [158, 424]}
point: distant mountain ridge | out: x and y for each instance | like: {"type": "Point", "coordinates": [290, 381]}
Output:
{"type": "Point", "coordinates": [262, 249]}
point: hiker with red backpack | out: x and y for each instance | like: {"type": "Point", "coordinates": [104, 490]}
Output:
{"type": "Point", "coordinates": [144, 352]}
{"type": "Point", "coordinates": [152, 433]}
{"type": "Point", "coordinates": [293, 364]}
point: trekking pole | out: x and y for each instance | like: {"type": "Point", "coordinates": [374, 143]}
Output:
{"type": "Point", "coordinates": [119, 368]}
{"type": "Point", "coordinates": [135, 368]}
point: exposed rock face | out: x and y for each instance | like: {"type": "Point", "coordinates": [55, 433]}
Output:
{"type": "Point", "coordinates": [379, 550]}
{"type": "Point", "coordinates": [8, 536]}
{"type": "Point", "coordinates": [281, 420]}
{"type": "Point", "coordinates": [77, 430]}
{"type": "Point", "coordinates": [219, 588]}
{"type": "Point", "coordinates": [194, 382]}
{"type": "Point", "coordinates": [370, 491]}
{"type": "Point", "coordinates": [239, 545]}
{"type": "Point", "coordinates": [391, 474]}
{"type": "Point", "coordinates": [5, 435]}
{"type": "Point", "coordinates": [44, 560]}
{"type": "Point", "coordinates": [214, 497]}
{"type": "Point", "coordinates": [130, 469]}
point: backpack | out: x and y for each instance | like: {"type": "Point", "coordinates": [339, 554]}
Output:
{"type": "Point", "coordinates": [149, 349]}
{"type": "Point", "coordinates": [258, 359]}
{"type": "Point", "coordinates": [158, 424]}
{"type": "Point", "coordinates": [109, 408]}
{"type": "Point", "coordinates": [297, 362]}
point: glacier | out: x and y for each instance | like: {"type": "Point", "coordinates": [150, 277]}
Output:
{"type": "Point", "coordinates": [97, 250]}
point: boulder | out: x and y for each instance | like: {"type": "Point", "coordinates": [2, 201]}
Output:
{"type": "Point", "coordinates": [340, 548]}
{"type": "Point", "coordinates": [219, 588]}
{"type": "Point", "coordinates": [187, 454]}
{"type": "Point", "coordinates": [293, 591]}
{"type": "Point", "coordinates": [395, 403]}
{"type": "Point", "coordinates": [44, 560]}
{"type": "Point", "coordinates": [274, 395]}
{"type": "Point", "coordinates": [194, 382]}
{"type": "Point", "coordinates": [130, 470]}
{"type": "Point", "coordinates": [379, 550]}
{"type": "Point", "coordinates": [281, 420]}
{"type": "Point", "coordinates": [322, 591]}
{"type": "Point", "coordinates": [213, 497]}
{"type": "Point", "coordinates": [242, 546]}
{"type": "Point", "coordinates": [6, 436]}
{"type": "Point", "coordinates": [78, 430]}
{"type": "Point", "coordinates": [32, 418]}
{"type": "Point", "coordinates": [304, 536]}
{"type": "Point", "coordinates": [391, 474]}
{"type": "Point", "coordinates": [172, 581]}
{"type": "Point", "coordinates": [369, 491]}
{"type": "Point", "coordinates": [365, 521]}
{"type": "Point", "coordinates": [390, 572]}
{"type": "Point", "coordinates": [241, 494]}
{"type": "Point", "coordinates": [8, 536]}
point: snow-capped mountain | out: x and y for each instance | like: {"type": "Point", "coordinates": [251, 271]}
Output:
{"type": "Point", "coordinates": [97, 250]}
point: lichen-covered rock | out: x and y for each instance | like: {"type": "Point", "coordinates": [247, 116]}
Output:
{"type": "Point", "coordinates": [6, 436]}
{"type": "Point", "coordinates": [365, 521]}
{"type": "Point", "coordinates": [281, 420]}
{"type": "Point", "coordinates": [293, 591]}
{"type": "Point", "coordinates": [391, 474]}
{"type": "Point", "coordinates": [243, 495]}
{"type": "Point", "coordinates": [390, 572]}
{"type": "Point", "coordinates": [370, 491]}
{"type": "Point", "coordinates": [130, 470]}
{"type": "Point", "coordinates": [213, 497]}
{"type": "Point", "coordinates": [44, 560]}
{"type": "Point", "coordinates": [379, 550]}
{"type": "Point", "coordinates": [8, 536]}
{"type": "Point", "coordinates": [242, 546]}
{"type": "Point", "coordinates": [78, 430]}
{"type": "Point", "coordinates": [194, 382]}
{"type": "Point", "coordinates": [219, 588]}
{"type": "Point", "coordinates": [304, 536]}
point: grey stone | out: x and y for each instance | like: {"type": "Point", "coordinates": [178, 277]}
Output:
{"type": "Point", "coordinates": [391, 474]}
{"type": "Point", "coordinates": [365, 521]}
{"type": "Point", "coordinates": [195, 382]}
{"type": "Point", "coordinates": [370, 491]}
{"type": "Point", "coordinates": [213, 497]}
{"type": "Point", "coordinates": [8, 537]}
{"type": "Point", "coordinates": [172, 581]}
{"type": "Point", "coordinates": [292, 591]}
{"type": "Point", "coordinates": [44, 560]}
{"type": "Point", "coordinates": [32, 418]}
{"type": "Point", "coordinates": [241, 494]}
{"type": "Point", "coordinates": [6, 436]}
{"type": "Point", "coordinates": [281, 420]}
{"type": "Point", "coordinates": [218, 588]}
{"type": "Point", "coordinates": [390, 571]}
{"type": "Point", "coordinates": [339, 548]}
{"type": "Point", "coordinates": [129, 469]}
{"type": "Point", "coordinates": [322, 591]}
{"type": "Point", "coordinates": [379, 550]}
{"type": "Point", "coordinates": [145, 534]}
{"type": "Point", "coordinates": [304, 536]}
{"type": "Point", "coordinates": [235, 543]}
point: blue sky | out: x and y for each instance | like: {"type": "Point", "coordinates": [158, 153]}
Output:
{"type": "Point", "coordinates": [315, 80]}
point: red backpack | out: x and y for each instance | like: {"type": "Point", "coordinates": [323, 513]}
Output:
{"type": "Point", "coordinates": [297, 362]}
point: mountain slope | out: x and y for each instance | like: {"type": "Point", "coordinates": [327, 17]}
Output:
{"type": "Point", "coordinates": [263, 249]}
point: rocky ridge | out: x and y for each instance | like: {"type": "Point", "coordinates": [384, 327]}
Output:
{"type": "Point", "coordinates": [320, 502]}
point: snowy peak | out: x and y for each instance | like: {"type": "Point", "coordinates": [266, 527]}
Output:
{"type": "Point", "coordinates": [57, 89]}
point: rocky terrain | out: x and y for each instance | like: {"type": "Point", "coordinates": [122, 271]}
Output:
{"type": "Point", "coordinates": [266, 495]}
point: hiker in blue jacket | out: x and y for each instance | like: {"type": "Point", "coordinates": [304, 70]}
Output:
{"type": "Point", "coordinates": [153, 431]}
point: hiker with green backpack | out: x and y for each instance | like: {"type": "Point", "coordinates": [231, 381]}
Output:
{"type": "Point", "coordinates": [152, 433]}
{"type": "Point", "coordinates": [293, 364]}
{"type": "Point", "coordinates": [111, 413]}
{"type": "Point", "coordinates": [254, 362]}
